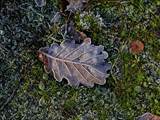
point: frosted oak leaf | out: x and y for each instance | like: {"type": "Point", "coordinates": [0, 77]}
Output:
{"type": "Point", "coordinates": [77, 63]}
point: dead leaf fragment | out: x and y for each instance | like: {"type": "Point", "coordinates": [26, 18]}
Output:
{"type": "Point", "coordinates": [40, 3]}
{"type": "Point", "coordinates": [136, 47]}
{"type": "Point", "coordinates": [149, 116]}
{"type": "Point", "coordinates": [75, 5]}
{"type": "Point", "coordinates": [78, 63]}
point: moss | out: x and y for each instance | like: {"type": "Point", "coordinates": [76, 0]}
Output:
{"type": "Point", "coordinates": [132, 88]}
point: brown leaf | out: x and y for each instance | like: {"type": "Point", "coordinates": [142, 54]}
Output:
{"type": "Point", "coordinates": [136, 47]}
{"type": "Point", "coordinates": [78, 63]}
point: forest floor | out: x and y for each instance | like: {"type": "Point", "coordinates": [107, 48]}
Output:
{"type": "Point", "coordinates": [133, 87]}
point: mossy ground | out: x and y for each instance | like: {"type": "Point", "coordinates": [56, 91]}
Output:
{"type": "Point", "coordinates": [133, 88]}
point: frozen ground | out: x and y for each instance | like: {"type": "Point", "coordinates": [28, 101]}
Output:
{"type": "Point", "coordinates": [133, 88]}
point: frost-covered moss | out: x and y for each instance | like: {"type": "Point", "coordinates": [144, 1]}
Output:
{"type": "Point", "coordinates": [27, 92]}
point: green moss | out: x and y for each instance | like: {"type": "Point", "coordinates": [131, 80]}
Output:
{"type": "Point", "coordinates": [131, 90]}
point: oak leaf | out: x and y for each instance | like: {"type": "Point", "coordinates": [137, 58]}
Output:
{"type": "Point", "coordinates": [77, 63]}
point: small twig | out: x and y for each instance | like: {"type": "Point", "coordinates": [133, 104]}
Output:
{"type": "Point", "coordinates": [31, 8]}
{"type": "Point", "coordinates": [55, 39]}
